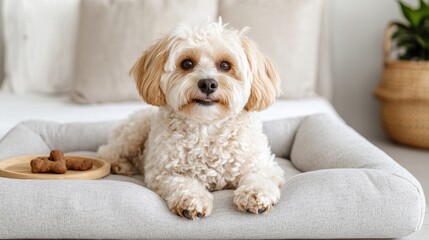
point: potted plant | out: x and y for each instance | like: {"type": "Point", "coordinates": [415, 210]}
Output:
{"type": "Point", "coordinates": [404, 87]}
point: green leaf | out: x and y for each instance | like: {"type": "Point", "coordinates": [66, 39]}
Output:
{"type": "Point", "coordinates": [422, 42]}
{"type": "Point", "coordinates": [401, 37]}
{"type": "Point", "coordinates": [407, 12]}
{"type": "Point", "coordinates": [423, 29]}
{"type": "Point", "coordinates": [406, 41]}
{"type": "Point", "coordinates": [402, 32]}
{"type": "Point", "coordinates": [401, 25]}
{"type": "Point", "coordinates": [412, 37]}
{"type": "Point", "coordinates": [414, 16]}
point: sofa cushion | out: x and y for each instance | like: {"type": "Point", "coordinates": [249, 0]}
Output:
{"type": "Point", "coordinates": [287, 31]}
{"type": "Point", "coordinates": [39, 39]}
{"type": "Point", "coordinates": [113, 34]}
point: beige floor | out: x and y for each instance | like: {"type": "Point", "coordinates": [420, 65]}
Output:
{"type": "Point", "coordinates": [415, 161]}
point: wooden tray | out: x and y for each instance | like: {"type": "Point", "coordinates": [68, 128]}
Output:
{"type": "Point", "coordinates": [19, 167]}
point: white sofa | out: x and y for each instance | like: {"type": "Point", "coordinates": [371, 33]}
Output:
{"type": "Point", "coordinates": [66, 83]}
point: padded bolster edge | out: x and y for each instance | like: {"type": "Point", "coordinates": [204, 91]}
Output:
{"type": "Point", "coordinates": [48, 209]}
{"type": "Point", "coordinates": [71, 137]}
{"type": "Point", "coordinates": [323, 142]}
{"type": "Point", "coordinates": [356, 203]}
{"type": "Point", "coordinates": [22, 140]}
{"type": "Point", "coordinates": [281, 134]}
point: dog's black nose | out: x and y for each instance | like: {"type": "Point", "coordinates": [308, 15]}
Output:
{"type": "Point", "coordinates": [207, 86]}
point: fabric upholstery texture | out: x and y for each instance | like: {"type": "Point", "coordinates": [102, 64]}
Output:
{"type": "Point", "coordinates": [113, 34]}
{"type": "Point", "coordinates": [39, 39]}
{"type": "Point", "coordinates": [338, 186]}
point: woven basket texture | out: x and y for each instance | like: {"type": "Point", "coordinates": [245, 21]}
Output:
{"type": "Point", "coordinates": [404, 95]}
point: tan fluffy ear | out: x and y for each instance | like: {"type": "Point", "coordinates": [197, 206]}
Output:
{"type": "Point", "coordinates": [266, 83]}
{"type": "Point", "coordinates": [147, 72]}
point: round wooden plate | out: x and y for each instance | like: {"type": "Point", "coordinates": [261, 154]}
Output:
{"type": "Point", "coordinates": [19, 167]}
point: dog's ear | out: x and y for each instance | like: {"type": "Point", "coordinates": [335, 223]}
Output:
{"type": "Point", "coordinates": [266, 83]}
{"type": "Point", "coordinates": [147, 72]}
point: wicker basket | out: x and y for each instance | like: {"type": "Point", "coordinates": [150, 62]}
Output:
{"type": "Point", "coordinates": [404, 94]}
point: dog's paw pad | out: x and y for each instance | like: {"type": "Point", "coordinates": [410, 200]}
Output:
{"type": "Point", "coordinates": [257, 201]}
{"type": "Point", "coordinates": [189, 215]}
{"type": "Point", "coordinates": [193, 206]}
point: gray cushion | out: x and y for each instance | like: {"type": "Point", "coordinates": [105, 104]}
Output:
{"type": "Point", "coordinates": [338, 186]}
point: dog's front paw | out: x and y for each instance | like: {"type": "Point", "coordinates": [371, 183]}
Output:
{"type": "Point", "coordinates": [118, 164]}
{"type": "Point", "coordinates": [123, 167]}
{"type": "Point", "coordinates": [256, 199]}
{"type": "Point", "coordinates": [192, 205]}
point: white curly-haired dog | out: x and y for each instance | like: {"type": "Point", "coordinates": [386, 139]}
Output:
{"type": "Point", "coordinates": [207, 81]}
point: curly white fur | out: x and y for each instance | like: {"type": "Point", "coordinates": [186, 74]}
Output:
{"type": "Point", "coordinates": [197, 142]}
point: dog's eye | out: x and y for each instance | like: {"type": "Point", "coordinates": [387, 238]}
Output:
{"type": "Point", "coordinates": [224, 65]}
{"type": "Point", "coordinates": [187, 64]}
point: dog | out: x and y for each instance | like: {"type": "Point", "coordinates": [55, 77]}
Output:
{"type": "Point", "coordinates": [206, 81]}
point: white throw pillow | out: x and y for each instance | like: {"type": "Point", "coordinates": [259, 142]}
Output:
{"type": "Point", "coordinates": [39, 39]}
{"type": "Point", "coordinates": [288, 31]}
{"type": "Point", "coordinates": [114, 33]}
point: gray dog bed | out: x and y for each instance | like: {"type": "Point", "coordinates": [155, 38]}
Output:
{"type": "Point", "coordinates": [338, 186]}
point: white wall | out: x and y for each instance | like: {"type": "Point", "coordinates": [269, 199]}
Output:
{"type": "Point", "coordinates": [357, 42]}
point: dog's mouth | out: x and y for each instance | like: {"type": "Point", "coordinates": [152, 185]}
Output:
{"type": "Point", "coordinates": [205, 101]}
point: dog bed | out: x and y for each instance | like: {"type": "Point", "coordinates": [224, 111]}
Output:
{"type": "Point", "coordinates": [338, 186]}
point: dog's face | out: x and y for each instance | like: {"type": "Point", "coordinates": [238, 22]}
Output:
{"type": "Point", "coordinates": [206, 73]}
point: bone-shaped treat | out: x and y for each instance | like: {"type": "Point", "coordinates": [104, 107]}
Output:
{"type": "Point", "coordinates": [57, 163]}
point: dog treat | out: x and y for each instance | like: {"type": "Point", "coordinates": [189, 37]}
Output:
{"type": "Point", "coordinates": [78, 165]}
{"type": "Point", "coordinates": [56, 155]}
{"type": "Point", "coordinates": [45, 165]}
{"type": "Point", "coordinates": [57, 163]}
